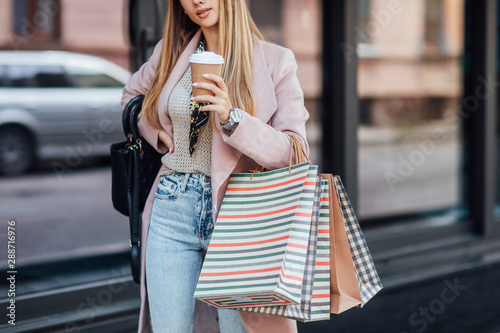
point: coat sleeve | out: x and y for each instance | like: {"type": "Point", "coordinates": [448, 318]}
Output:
{"type": "Point", "coordinates": [138, 85]}
{"type": "Point", "coordinates": [268, 144]}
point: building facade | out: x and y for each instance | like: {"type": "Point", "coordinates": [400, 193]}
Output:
{"type": "Point", "coordinates": [93, 27]}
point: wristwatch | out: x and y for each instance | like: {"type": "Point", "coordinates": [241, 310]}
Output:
{"type": "Point", "coordinates": [234, 119]}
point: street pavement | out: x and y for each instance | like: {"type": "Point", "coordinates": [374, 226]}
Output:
{"type": "Point", "coordinates": [59, 217]}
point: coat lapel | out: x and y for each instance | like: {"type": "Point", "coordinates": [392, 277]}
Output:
{"type": "Point", "coordinates": [265, 96]}
{"type": "Point", "coordinates": [225, 157]}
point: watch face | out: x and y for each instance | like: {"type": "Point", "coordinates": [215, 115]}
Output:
{"type": "Point", "coordinates": [236, 115]}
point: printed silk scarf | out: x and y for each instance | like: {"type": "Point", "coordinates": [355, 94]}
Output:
{"type": "Point", "coordinates": [198, 118]}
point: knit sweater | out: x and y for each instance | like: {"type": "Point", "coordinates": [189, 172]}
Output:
{"type": "Point", "coordinates": [178, 110]}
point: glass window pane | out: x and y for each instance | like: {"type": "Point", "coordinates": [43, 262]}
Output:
{"type": "Point", "coordinates": [38, 19]}
{"type": "Point", "coordinates": [49, 9]}
{"type": "Point", "coordinates": [20, 8]}
{"type": "Point", "coordinates": [89, 78]}
{"type": "Point", "coordinates": [409, 85]}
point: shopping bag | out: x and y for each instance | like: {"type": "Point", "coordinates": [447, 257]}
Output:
{"type": "Point", "coordinates": [315, 299]}
{"type": "Point", "coordinates": [258, 250]}
{"type": "Point", "coordinates": [368, 280]}
{"type": "Point", "coordinates": [321, 294]}
{"type": "Point", "coordinates": [353, 277]}
{"type": "Point", "coordinates": [344, 288]}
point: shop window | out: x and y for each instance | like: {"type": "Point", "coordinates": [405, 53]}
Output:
{"type": "Point", "coordinates": [434, 35]}
{"type": "Point", "coordinates": [363, 21]}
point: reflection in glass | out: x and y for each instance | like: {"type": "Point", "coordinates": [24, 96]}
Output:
{"type": "Point", "coordinates": [409, 85]}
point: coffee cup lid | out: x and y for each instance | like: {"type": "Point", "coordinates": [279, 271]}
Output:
{"type": "Point", "coordinates": [209, 58]}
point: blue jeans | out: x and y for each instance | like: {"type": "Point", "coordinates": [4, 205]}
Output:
{"type": "Point", "coordinates": [180, 227]}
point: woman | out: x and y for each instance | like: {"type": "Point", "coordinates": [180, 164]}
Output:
{"type": "Point", "coordinates": [257, 103]}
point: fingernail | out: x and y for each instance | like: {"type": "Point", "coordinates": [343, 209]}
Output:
{"type": "Point", "coordinates": [195, 84]}
{"type": "Point", "coordinates": [192, 98]}
{"type": "Point", "coordinates": [206, 75]}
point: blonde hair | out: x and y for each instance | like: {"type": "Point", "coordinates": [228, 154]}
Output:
{"type": "Point", "coordinates": [236, 29]}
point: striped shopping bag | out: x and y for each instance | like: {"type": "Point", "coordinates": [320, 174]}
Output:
{"type": "Point", "coordinates": [315, 300]}
{"type": "Point", "coordinates": [321, 293]}
{"type": "Point", "coordinates": [258, 250]}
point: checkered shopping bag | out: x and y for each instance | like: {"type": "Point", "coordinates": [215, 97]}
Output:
{"type": "Point", "coordinates": [353, 277]}
{"type": "Point", "coordinates": [368, 280]}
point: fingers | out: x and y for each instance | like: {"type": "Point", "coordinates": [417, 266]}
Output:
{"type": "Point", "coordinates": [219, 103]}
{"type": "Point", "coordinates": [218, 81]}
{"type": "Point", "coordinates": [220, 109]}
{"type": "Point", "coordinates": [167, 140]}
{"type": "Point", "coordinates": [210, 86]}
{"type": "Point", "coordinates": [205, 99]}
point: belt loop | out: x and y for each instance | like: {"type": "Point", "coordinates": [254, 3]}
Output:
{"type": "Point", "coordinates": [184, 182]}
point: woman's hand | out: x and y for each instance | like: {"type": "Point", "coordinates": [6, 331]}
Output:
{"type": "Point", "coordinates": [220, 103]}
{"type": "Point", "coordinates": [167, 140]}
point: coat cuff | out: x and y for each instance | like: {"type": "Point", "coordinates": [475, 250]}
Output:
{"type": "Point", "coordinates": [267, 147]}
{"type": "Point", "coordinates": [231, 136]}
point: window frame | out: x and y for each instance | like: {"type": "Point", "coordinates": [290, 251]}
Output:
{"type": "Point", "coordinates": [34, 32]}
{"type": "Point", "coordinates": [479, 128]}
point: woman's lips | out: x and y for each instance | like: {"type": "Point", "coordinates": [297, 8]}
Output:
{"type": "Point", "coordinates": [202, 13]}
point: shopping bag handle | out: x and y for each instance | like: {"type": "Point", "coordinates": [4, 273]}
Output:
{"type": "Point", "coordinates": [300, 153]}
{"type": "Point", "coordinates": [295, 147]}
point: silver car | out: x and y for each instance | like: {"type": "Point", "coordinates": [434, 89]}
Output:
{"type": "Point", "coordinates": [57, 105]}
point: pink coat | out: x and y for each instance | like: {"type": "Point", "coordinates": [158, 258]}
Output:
{"type": "Point", "coordinates": [258, 140]}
